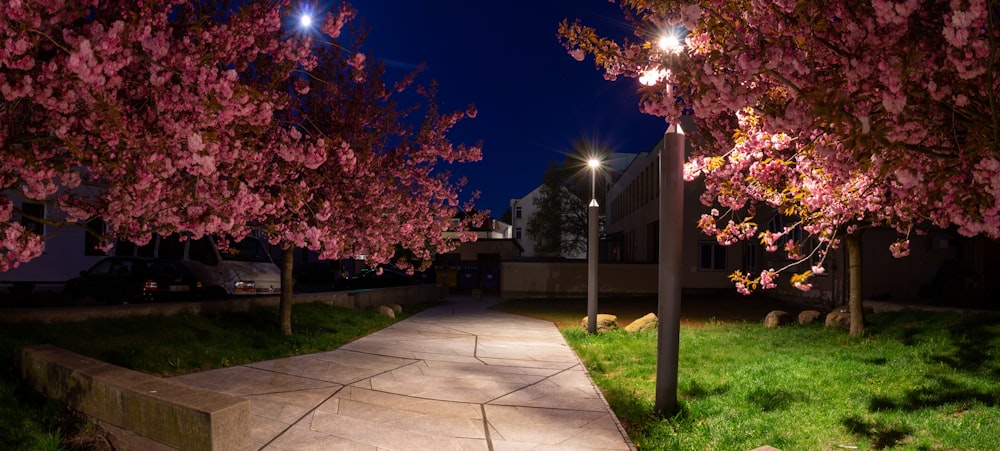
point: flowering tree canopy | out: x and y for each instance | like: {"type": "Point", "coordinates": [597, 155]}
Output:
{"type": "Point", "coordinates": [204, 118]}
{"type": "Point", "coordinates": [351, 171]}
{"type": "Point", "coordinates": [133, 113]}
{"type": "Point", "coordinates": [860, 112]}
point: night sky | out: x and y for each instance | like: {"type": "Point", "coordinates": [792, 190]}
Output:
{"type": "Point", "coordinates": [533, 99]}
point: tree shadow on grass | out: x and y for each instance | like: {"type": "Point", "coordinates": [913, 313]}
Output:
{"type": "Point", "coordinates": [696, 389]}
{"type": "Point", "coordinates": [934, 392]}
{"type": "Point", "coordinates": [882, 434]}
{"type": "Point", "coordinates": [772, 399]}
{"type": "Point", "coordinates": [636, 412]}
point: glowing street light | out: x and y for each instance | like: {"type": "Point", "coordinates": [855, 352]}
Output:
{"type": "Point", "coordinates": [592, 248]}
{"type": "Point", "coordinates": [306, 20]}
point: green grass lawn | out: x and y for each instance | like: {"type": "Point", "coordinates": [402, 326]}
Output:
{"type": "Point", "coordinates": [917, 380]}
{"type": "Point", "coordinates": [163, 346]}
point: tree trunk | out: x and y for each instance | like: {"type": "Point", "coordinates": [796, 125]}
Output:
{"type": "Point", "coordinates": [854, 284]}
{"type": "Point", "coordinates": [285, 306]}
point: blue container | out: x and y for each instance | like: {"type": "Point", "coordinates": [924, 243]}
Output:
{"type": "Point", "coordinates": [468, 277]}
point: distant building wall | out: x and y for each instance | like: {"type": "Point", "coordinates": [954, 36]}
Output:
{"type": "Point", "coordinates": [504, 249]}
{"type": "Point", "coordinates": [569, 279]}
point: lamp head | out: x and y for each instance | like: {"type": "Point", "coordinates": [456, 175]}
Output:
{"type": "Point", "coordinates": [594, 163]}
{"type": "Point", "coordinates": [305, 20]}
{"type": "Point", "coordinates": [670, 43]}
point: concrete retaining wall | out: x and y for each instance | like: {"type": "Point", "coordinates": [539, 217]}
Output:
{"type": "Point", "coordinates": [168, 412]}
{"type": "Point", "coordinates": [414, 294]}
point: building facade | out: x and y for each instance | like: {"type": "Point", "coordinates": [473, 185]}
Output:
{"type": "Point", "coordinates": [942, 267]}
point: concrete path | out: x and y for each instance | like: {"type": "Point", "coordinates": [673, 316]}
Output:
{"type": "Point", "coordinates": [455, 377]}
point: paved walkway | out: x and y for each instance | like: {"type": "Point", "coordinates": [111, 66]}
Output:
{"type": "Point", "coordinates": [458, 376]}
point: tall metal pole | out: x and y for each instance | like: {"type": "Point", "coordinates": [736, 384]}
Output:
{"type": "Point", "coordinates": [592, 247]}
{"type": "Point", "coordinates": [669, 285]}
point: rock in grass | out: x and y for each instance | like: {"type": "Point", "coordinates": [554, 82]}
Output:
{"type": "Point", "coordinates": [808, 316]}
{"type": "Point", "coordinates": [396, 308]}
{"type": "Point", "coordinates": [839, 317]}
{"type": "Point", "coordinates": [777, 318]}
{"type": "Point", "coordinates": [604, 322]}
{"type": "Point", "coordinates": [645, 323]}
{"type": "Point", "coordinates": [386, 310]}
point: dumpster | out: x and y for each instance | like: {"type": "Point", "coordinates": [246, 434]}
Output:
{"type": "Point", "coordinates": [489, 278]}
{"type": "Point", "coordinates": [447, 277]}
{"type": "Point", "coordinates": [468, 277]}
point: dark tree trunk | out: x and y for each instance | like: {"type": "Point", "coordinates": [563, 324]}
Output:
{"type": "Point", "coordinates": [854, 284]}
{"type": "Point", "coordinates": [285, 306]}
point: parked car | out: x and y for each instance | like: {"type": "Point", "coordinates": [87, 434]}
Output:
{"type": "Point", "coordinates": [126, 280]}
{"type": "Point", "coordinates": [242, 268]}
{"type": "Point", "coordinates": [370, 278]}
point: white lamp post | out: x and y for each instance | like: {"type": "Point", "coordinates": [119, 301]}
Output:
{"type": "Point", "coordinates": [592, 248]}
{"type": "Point", "coordinates": [670, 247]}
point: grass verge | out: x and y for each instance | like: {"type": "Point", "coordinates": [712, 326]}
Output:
{"type": "Point", "coordinates": [917, 380]}
{"type": "Point", "coordinates": [163, 346]}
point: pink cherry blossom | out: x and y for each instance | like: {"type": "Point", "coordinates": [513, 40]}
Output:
{"type": "Point", "coordinates": [820, 115]}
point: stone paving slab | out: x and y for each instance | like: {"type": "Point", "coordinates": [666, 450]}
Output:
{"type": "Point", "coordinates": [455, 377]}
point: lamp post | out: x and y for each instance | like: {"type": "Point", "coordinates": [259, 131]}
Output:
{"type": "Point", "coordinates": [592, 248]}
{"type": "Point", "coordinates": [669, 284]}
{"type": "Point", "coordinates": [671, 212]}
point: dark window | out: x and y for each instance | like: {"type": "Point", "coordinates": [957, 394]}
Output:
{"type": "Point", "coordinates": [517, 212]}
{"type": "Point", "coordinates": [711, 257]}
{"type": "Point", "coordinates": [202, 251]}
{"type": "Point", "coordinates": [750, 258]}
{"type": "Point", "coordinates": [92, 241]}
{"type": "Point", "coordinates": [247, 250]}
{"type": "Point", "coordinates": [517, 233]}
{"type": "Point", "coordinates": [101, 268]}
{"type": "Point", "coordinates": [30, 210]}
{"type": "Point", "coordinates": [171, 247]}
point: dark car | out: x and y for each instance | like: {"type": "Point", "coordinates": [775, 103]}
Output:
{"type": "Point", "coordinates": [370, 278]}
{"type": "Point", "coordinates": [126, 280]}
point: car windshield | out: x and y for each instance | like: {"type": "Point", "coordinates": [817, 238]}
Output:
{"type": "Point", "coordinates": [247, 250]}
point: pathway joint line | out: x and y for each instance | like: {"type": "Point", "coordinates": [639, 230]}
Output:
{"type": "Point", "coordinates": [486, 427]}
{"type": "Point", "coordinates": [536, 383]}
{"type": "Point", "coordinates": [304, 415]}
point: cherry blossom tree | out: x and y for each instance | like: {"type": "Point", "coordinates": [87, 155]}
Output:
{"type": "Point", "coordinates": [176, 116]}
{"type": "Point", "coordinates": [357, 172]}
{"type": "Point", "coordinates": [861, 113]}
{"type": "Point", "coordinates": [133, 113]}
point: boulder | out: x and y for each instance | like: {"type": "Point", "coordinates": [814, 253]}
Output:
{"type": "Point", "coordinates": [777, 318]}
{"type": "Point", "coordinates": [604, 322]}
{"type": "Point", "coordinates": [809, 316]}
{"type": "Point", "coordinates": [645, 323]}
{"type": "Point", "coordinates": [396, 308]}
{"type": "Point", "coordinates": [386, 310]}
{"type": "Point", "coordinates": [839, 317]}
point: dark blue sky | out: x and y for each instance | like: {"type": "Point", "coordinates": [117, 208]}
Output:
{"type": "Point", "coordinates": [533, 99]}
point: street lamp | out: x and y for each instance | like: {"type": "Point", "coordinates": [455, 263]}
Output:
{"type": "Point", "coordinates": [592, 248]}
{"type": "Point", "coordinates": [305, 20]}
{"type": "Point", "coordinates": [670, 248]}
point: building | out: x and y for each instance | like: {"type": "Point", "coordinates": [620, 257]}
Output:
{"type": "Point", "coordinates": [942, 267]}
{"type": "Point", "coordinates": [521, 211]}
{"type": "Point", "coordinates": [524, 208]}
{"type": "Point", "coordinates": [633, 221]}
{"type": "Point", "coordinates": [494, 242]}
